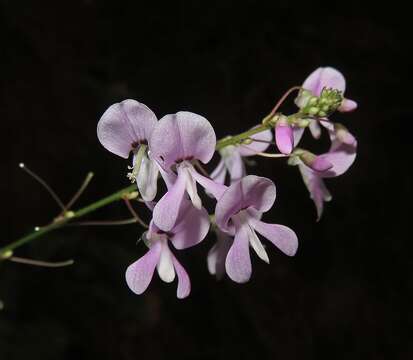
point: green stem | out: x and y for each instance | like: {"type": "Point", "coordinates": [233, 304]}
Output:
{"type": "Point", "coordinates": [6, 251]}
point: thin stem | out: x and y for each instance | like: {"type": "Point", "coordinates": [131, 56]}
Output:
{"type": "Point", "coordinates": [104, 222]}
{"type": "Point", "coordinates": [282, 99]}
{"type": "Point", "coordinates": [41, 263]}
{"type": "Point", "coordinates": [65, 219]}
{"type": "Point", "coordinates": [44, 184]}
{"type": "Point", "coordinates": [261, 141]}
{"type": "Point", "coordinates": [134, 213]}
{"type": "Point", "coordinates": [268, 155]}
{"type": "Point", "coordinates": [82, 188]}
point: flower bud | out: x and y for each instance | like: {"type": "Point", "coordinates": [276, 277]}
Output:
{"type": "Point", "coordinates": [316, 163]}
{"type": "Point", "coordinates": [284, 137]}
{"type": "Point", "coordinates": [303, 98]}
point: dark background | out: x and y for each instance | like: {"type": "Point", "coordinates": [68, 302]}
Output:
{"type": "Point", "coordinates": [347, 293]}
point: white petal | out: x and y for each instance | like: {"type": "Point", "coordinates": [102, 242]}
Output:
{"type": "Point", "coordinates": [165, 265]}
{"type": "Point", "coordinates": [257, 245]}
{"type": "Point", "coordinates": [192, 190]}
{"type": "Point", "coordinates": [147, 178]}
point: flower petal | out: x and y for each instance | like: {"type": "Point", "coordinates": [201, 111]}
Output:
{"type": "Point", "coordinates": [191, 227]}
{"type": "Point", "coordinates": [210, 186]}
{"type": "Point", "coordinates": [256, 146]}
{"type": "Point", "coordinates": [315, 129]}
{"type": "Point", "coordinates": [182, 136]}
{"type": "Point", "coordinates": [347, 105]}
{"type": "Point", "coordinates": [324, 77]}
{"type": "Point", "coordinates": [257, 246]}
{"type": "Point", "coordinates": [147, 179]}
{"type": "Point", "coordinates": [252, 191]}
{"type": "Point", "coordinates": [235, 166]}
{"type": "Point", "coordinates": [125, 124]}
{"type": "Point", "coordinates": [219, 173]}
{"type": "Point", "coordinates": [218, 253]}
{"type": "Point", "coordinates": [284, 138]}
{"type": "Point", "coordinates": [192, 190]}
{"type": "Point", "coordinates": [140, 273]}
{"type": "Point", "coordinates": [184, 284]}
{"type": "Point", "coordinates": [238, 261]}
{"type": "Point", "coordinates": [167, 209]}
{"type": "Point", "coordinates": [341, 157]}
{"type": "Point", "coordinates": [297, 134]}
{"type": "Point", "coordinates": [281, 236]}
{"type": "Point", "coordinates": [165, 264]}
{"type": "Point", "coordinates": [316, 187]}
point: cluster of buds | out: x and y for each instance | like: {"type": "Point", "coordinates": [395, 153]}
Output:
{"type": "Point", "coordinates": [173, 149]}
{"type": "Point", "coordinates": [319, 106]}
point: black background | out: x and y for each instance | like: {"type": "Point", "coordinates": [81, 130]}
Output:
{"type": "Point", "coordinates": [347, 293]}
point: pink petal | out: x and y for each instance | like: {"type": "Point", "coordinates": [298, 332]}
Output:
{"type": "Point", "coordinates": [184, 284]}
{"type": "Point", "coordinates": [235, 166]}
{"type": "Point", "coordinates": [341, 157]}
{"type": "Point", "coordinates": [214, 188]}
{"type": "Point", "coordinates": [281, 236]}
{"type": "Point", "coordinates": [256, 146]}
{"type": "Point", "coordinates": [219, 173]}
{"type": "Point", "coordinates": [140, 273]}
{"type": "Point", "coordinates": [321, 164]}
{"type": "Point", "coordinates": [347, 105]}
{"type": "Point", "coordinates": [182, 136]}
{"type": "Point", "coordinates": [124, 125]}
{"type": "Point", "coordinates": [166, 210]}
{"type": "Point", "coordinates": [284, 138]}
{"type": "Point", "coordinates": [252, 191]}
{"type": "Point", "coordinates": [324, 77]}
{"type": "Point", "coordinates": [238, 261]}
{"type": "Point", "coordinates": [316, 187]}
{"type": "Point", "coordinates": [191, 226]}
{"type": "Point", "coordinates": [218, 253]}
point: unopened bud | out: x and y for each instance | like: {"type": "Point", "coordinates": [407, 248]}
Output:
{"type": "Point", "coordinates": [303, 98]}
{"type": "Point", "coordinates": [284, 137]}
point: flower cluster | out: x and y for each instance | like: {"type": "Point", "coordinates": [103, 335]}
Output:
{"type": "Point", "coordinates": [173, 149]}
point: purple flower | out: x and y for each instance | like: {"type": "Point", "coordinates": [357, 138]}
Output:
{"type": "Point", "coordinates": [125, 127]}
{"type": "Point", "coordinates": [238, 213]}
{"type": "Point", "coordinates": [325, 77]}
{"type": "Point", "coordinates": [232, 157]}
{"type": "Point", "coordinates": [191, 228]}
{"type": "Point", "coordinates": [176, 142]}
{"type": "Point", "coordinates": [341, 156]}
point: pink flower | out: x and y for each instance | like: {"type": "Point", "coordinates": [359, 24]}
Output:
{"type": "Point", "coordinates": [176, 142]}
{"type": "Point", "coordinates": [191, 228]}
{"type": "Point", "coordinates": [325, 77]}
{"type": "Point", "coordinates": [232, 158]}
{"type": "Point", "coordinates": [238, 213]}
{"type": "Point", "coordinates": [124, 128]}
{"type": "Point", "coordinates": [341, 156]}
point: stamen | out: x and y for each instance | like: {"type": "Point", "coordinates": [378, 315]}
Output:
{"type": "Point", "coordinates": [44, 184]}
{"type": "Point", "coordinates": [134, 214]}
{"type": "Point", "coordinates": [41, 263]}
{"type": "Point", "coordinates": [138, 161]}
